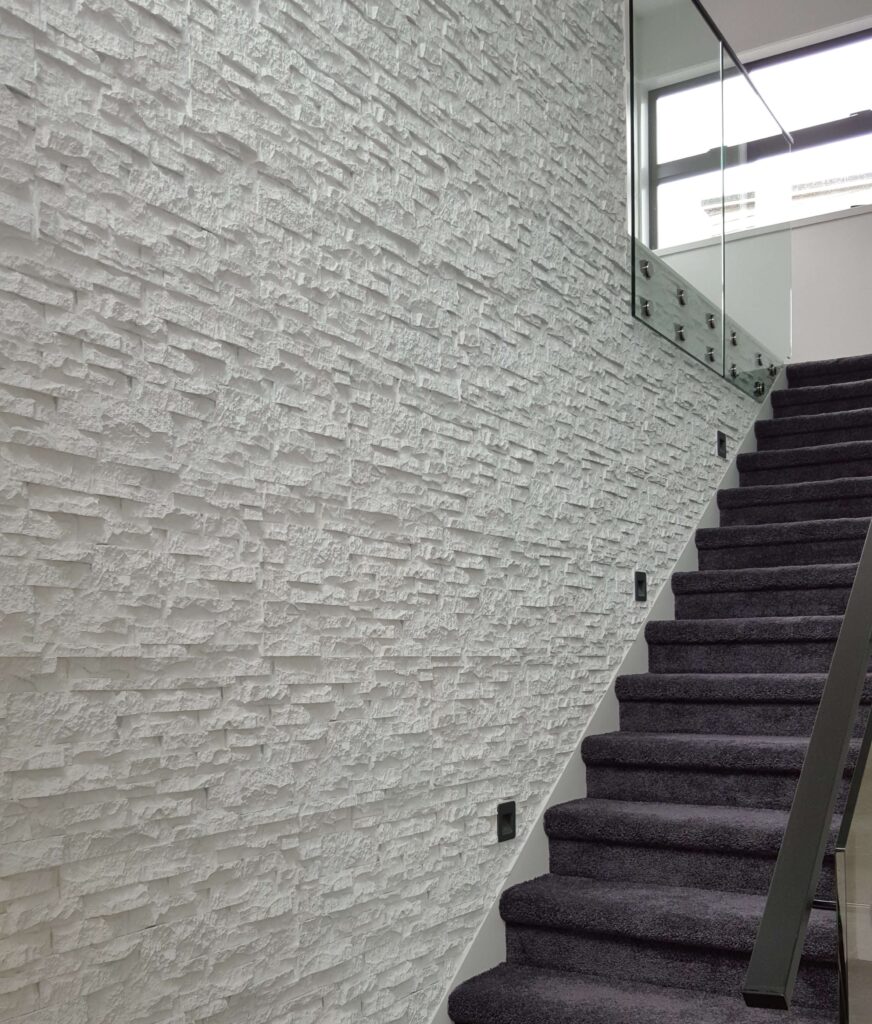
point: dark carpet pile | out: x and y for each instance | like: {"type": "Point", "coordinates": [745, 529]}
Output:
{"type": "Point", "coordinates": [658, 877]}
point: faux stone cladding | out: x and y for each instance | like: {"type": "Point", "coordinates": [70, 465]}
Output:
{"type": "Point", "coordinates": [327, 450]}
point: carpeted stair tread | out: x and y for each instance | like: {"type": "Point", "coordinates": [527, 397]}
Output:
{"type": "Point", "coordinates": [782, 494]}
{"type": "Point", "coordinates": [687, 845]}
{"type": "Point", "coordinates": [764, 534]}
{"type": "Point", "coordinates": [798, 629]}
{"type": "Point", "coordinates": [518, 994]}
{"type": "Point", "coordinates": [767, 578]}
{"type": "Point", "coordinates": [786, 465]}
{"type": "Point", "coordinates": [802, 643]}
{"type": "Point", "coordinates": [814, 500]}
{"type": "Point", "coordinates": [659, 876]}
{"type": "Point", "coordinates": [749, 711]}
{"type": "Point", "coordinates": [817, 542]}
{"type": "Point", "coordinates": [817, 429]}
{"type": "Point", "coordinates": [736, 830]}
{"type": "Point", "coordinates": [771, 754]}
{"type": "Point", "coordinates": [767, 592]}
{"type": "Point", "coordinates": [829, 371]}
{"type": "Point", "coordinates": [787, 688]}
{"type": "Point", "coordinates": [665, 915]}
{"type": "Point", "coordinates": [820, 398]}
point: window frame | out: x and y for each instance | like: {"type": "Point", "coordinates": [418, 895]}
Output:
{"type": "Point", "coordinates": [721, 158]}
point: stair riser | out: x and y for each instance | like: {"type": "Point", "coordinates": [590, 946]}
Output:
{"type": "Point", "coordinates": [791, 407]}
{"type": "Point", "coordinates": [672, 785]}
{"type": "Point", "coordinates": [805, 474]}
{"type": "Point", "coordinates": [824, 381]}
{"type": "Point", "coordinates": [798, 511]}
{"type": "Point", "coordinates": [653, 865]}
{"type": "Point", "coordinates": [808, 378]}
{"type": "Point", "coordinates": [752, 659]}
{"type": "Point", "coordinates": [672, 966]}
{"type": "Point", "coordinates": [763, 555]}
{"type": "Point", "coordinates": [750, 719]}
{"type": "Point", "coordinates": [761, 603]}
{"type": "Point", "coordinates": [778, 441]}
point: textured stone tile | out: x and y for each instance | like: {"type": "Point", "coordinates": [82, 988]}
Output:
{"type": "Point", "coordinates": [327, 450]}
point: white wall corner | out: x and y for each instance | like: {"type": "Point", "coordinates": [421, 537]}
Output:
{"type": "Point", "coordinates": [488, 947]}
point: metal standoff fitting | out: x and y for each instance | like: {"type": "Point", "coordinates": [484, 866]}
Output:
{"type": "Point", "coordinates": [645, 306]}
{"type": "Point", "coordinates": [710, 320]}
{"type": "Point", "coordinates": [680, 334]}
{"type": "Point", "coordinates": [645, 267]}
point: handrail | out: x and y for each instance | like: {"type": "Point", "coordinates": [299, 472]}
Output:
{"type": "Point", "coordinates": [734, 57]}
{"type": "Point", "coordinates": [775, 960]}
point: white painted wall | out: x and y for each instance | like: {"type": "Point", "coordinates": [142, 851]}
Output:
{"type": "Point", "coordinates": [757, 28]}
{"type": "Point", "coordinates": [826, 260]}
{"type": "Point", "coordinates": [832, 258]}
{"type": "Point", "coordinates": [489, 945]}
{"type": "Point", "coordinates": [672, 43]}
{"type": "Point", "coordinates": [327, 450]}
{"type": "Point", "coordinates": [815, 273]}
{"type": "Point", "coordinates": [756, 276]}
{"type": "Point", "coordinates": [675, 43]}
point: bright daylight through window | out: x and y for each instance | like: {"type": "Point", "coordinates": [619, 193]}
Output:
{"type": "Point", "coordinates": [821, 95]}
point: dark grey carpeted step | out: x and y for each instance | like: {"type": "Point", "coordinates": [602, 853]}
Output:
{"type": "Point", "coordinates": [801, 465]}
{"type": "Point", "coordinates": [725, 848]}
{"type": "Point", "coordinates": [822, 398]}
{"type": "Point", "coordinates": [802, 644]}
{"type": "Point", "coordinates": [822, 542]}
{"type": "Point", "coordinates": [659, 875]}
{"type": "Point", "coordinates": [516, 994]}
{"type": "Point", "coordinates": [782, 503]}
{"type": "Point", "coordinates": [671, 936]}
{"type": "Point", "coordinates": [771, 591]}
{"type": "Point", "coordinates": [736, 688]}
{"type": "Point", "coordinates": [737, 705]}
{"type": "Point", "coordinates": [805, 431]}
{"type": "Point", "coordinates": [830, 371]}
{"type": "Point", "coordinates": [731, 771]}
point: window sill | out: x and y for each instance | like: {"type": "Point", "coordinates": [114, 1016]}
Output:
{"type": "Point", "coordinates": [770, 229]}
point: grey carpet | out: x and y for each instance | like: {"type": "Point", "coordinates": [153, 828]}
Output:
{"type": "Point", "coordinates": [658, 877]}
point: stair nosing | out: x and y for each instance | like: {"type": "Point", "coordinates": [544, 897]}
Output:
{"type": "Point", "coordinates": [592, 914]}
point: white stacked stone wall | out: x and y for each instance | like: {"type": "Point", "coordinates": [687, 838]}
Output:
{"type": "Point", "coordinates": [327, 451]}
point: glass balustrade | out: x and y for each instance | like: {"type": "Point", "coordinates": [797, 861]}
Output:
{"type": "Point", "coordinates": [705, 275]}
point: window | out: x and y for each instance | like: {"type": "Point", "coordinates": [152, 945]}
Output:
{"type": "Point", "coordinates": [822, 96]}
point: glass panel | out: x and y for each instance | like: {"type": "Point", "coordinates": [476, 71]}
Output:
{"type": "Point", "coordinates": [829, 178]}
{"type": "Point", "coordinates": [673, 43]}
{"type": "Point", "coordinates": [757, 265]}
{"type": "Point", "coordinates": [726, 303]}
{"type": "Point", "coordinates": [677, 111]}
{"type": "Point", "coordinates": [747, 363]}
{"type": "Point", "coordinates": [678, 311]}
{"type": "Point", "coordinates": [793, 87]}
{"type": "Point", "coordinates": [826, 174]}
{"type": "Point", "coordinates": [854, 892]}
{"type": "Point", "coordinates": [785, 186]}
{"type": "Point", "coordinates": [690, 210]}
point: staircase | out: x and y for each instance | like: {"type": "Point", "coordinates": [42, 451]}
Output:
{"type": "Point", "coordinates": [658, 878]}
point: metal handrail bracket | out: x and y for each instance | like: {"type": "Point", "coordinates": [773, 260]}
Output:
{"type": "Point", "coordinates": [775, 960]}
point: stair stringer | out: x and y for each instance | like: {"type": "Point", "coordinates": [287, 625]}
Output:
{"type": "Point", "coordinates": [488, 946]}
